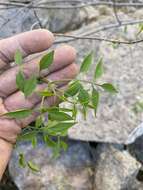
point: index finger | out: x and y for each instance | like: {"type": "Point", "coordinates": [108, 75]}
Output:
{"type": "Point", "coordinates": [28, 43]}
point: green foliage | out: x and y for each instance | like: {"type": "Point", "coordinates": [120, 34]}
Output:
{"type": "Point", "coordinates": [33, 166]}
{"type": "Point", "coordinates": [109, 88]}
{"type": "Point", "coordinates": [73, 89]}
{"type": "Point", "coordinates": [83, 97]}
{"type": "Point", "coordinates": [21, 160]}
{"type": "Point", "coordinates": [27, 136]}
{"type": "Point", "coordinates": [95, 99]}
{"type": "Point", "coordinates": [60, 128]}
{"type": "Point", "coordinates": [18, 58]}
{"type": "Point", "coordinates": [99, 69]}
{"type": "Point", "coordinates": [19, 114]}
{"type": "Point", "coordinates": [140, 29]}
{"type": "Point", "coordinates": [27, 86]}
{"type": "Point", "coordinates": [23, 163]}
{"type": "Point", "coordinates": [30, 85]}
{"type": "Point", "coordinates": [20, 81]}
{"type": "Point", "coordinates": [47, 60]}
{"type": "Point", "coordinates": [86, 63]}
{"type": "Point", "coordinates": [59, 116]}
{"type": "Point", "coordinates": [46, 93]}
{"type": "Point", "coordinates": [80, 97]}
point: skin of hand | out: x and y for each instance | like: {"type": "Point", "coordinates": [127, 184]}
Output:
{"type": "Point", "coordinates": [31, 43]}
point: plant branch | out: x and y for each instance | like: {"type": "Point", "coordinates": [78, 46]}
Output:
{"type": "Point", "coordinates": [68, 80]}
{"type": "Point", "coordinates": [76, 4]}
{"type": "Point", "coordinates": [99, 39]}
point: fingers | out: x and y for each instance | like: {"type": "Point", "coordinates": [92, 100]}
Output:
{"type": "Point", "coordinates": [64, 56]}
{"type": "Point", "coordinates": [9, 130]}
{"type": "Point", "coordinates": [28, 43]}
{"type": "Point", "coordinates": [18, 101]}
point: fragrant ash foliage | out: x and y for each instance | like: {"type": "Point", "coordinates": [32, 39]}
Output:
{"type": "Point", "coordinates": [60, 119]}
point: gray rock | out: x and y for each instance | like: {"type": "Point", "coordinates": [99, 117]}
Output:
{"type": "Point", "coordinates": [136, 149]}
{"type": "Point", "coordinates": [60, 20]}
{"type": "Point", "coordinates": [72, 171]}
{"type": "Point", "coordinates": [15, 20]}
{"type": "Point", "coordinates": [19, 19]}
{"type": "Point", "coordinates": [116, 119]}
{"type": "Point", "coordinates": [115, 169]}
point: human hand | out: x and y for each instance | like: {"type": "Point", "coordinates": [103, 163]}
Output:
{"type": "Point", "coordinates": [10, 98]}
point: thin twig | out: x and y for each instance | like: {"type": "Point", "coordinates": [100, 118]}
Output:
{"type": "Point", "coordinates": [115, 13]}
{"type": "Point", "coordinates": [78, 5]}
{"type": "Point", "coordinates": [68, 80]}
{"type": "Point", "coordinates": [99, 39]}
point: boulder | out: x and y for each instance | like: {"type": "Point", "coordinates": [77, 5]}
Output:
{"type": "Point", "coordinates": [115, 169]}
{"type": "Point", "coordinates": [72, 170]}
{"type": "Point", "coordinates": [123, 67]}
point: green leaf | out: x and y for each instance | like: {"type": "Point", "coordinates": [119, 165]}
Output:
{"type": "Point", "coordinates": [86, 63]}
{"type": "Point", "coordinates": [59, 116]}
{"type": "Point", "coordinates": [46, 93]}
{"type": "Point", "coordinates": [19, 114]}
{"type": "Point", "coordinates": [47, 60]}
{"type": "Point", "coordinates": [21, 160]}
{"type": "Point", "coordinates": [30, 86]}
{"type": "Point", "coordinates": [109, 88]}
{"type": "Point", "coordinates": [63, 145]}
{"type": "Point", "coordinates": [73, 89]}
{"type": "Point", "coordinates": [83, 97]}
{"type": "Point", "coordinates": [60, 128]}
{"type": "Point", "coordinates": [38, 122]}
{"type": "Point", "coordinates": [74, 111]}
{"type": "Point", "coordinates": [95, 99]}
{"type": "Point", "coordinates": [33, 166]}
{"type": "Point", "coordinates": [84, 112]}
{"type": "Point", "coordinates": [18, 57]}
{"type": "Point", "coordinates": [99, 69]}
{"type": "Point", "coordinates": [49, 142]}
{"type": "Point", "coordinates": [56, 151]}
{"type": "Point", "coordinates": [65, 109]}
{"type": "Point", "coordinates": [28, 136]}
{"type": "Point", "coordinates": [140, 29]}
{"type": "Point", "coordinates": [34, 141]}
{"type": "Point", "coordinates": [20, 81]}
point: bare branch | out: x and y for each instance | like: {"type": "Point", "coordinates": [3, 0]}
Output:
{"type": "Point", "coordinates": [98, 39]}
{"type": "Point", "coordinates": [115, 13]}
{"type": "Point", "coordinates": [76, 4]}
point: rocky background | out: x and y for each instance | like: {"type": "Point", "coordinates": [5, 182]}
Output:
{"type": "Point", "coordinates": [106, 153]}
